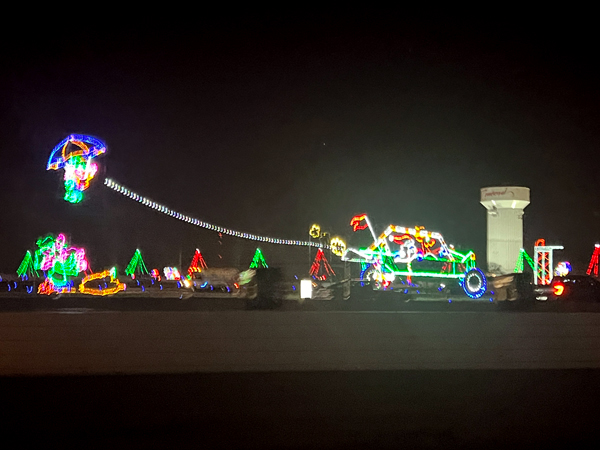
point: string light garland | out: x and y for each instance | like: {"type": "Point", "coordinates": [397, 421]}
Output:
{"type": "Point", "coordinates": [199, 223]}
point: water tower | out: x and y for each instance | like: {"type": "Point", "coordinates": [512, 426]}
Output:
{"type": "Point", "coordinates": [505, 207]}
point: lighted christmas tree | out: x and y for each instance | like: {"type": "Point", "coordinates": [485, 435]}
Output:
{"type": "Point", "coordinates": [136, 265]}
{"type": "Point", "coordinates": [26, 267]}
{"type": "Point", "coordinates": [198, 263]}
{"type": "Point", "coordinates": [320, 268]}
{"type": "Point", "coordinates": [523, 256]}
{"type": "Point", "coordinates": [593, 267]}
{"type": "Point", "coordinates": [258, 262]}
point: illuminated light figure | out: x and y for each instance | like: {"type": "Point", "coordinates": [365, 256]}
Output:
{"type": "Point", "coordinates": [59, 262]}
{"type": "Point", "coordinates": [543, 261]}
{"type": "Point", "coordinates": [136, 265]}
{"type": "Point", "coordinates": [199, 223]}
{"type": "Point", "coordinates": [198, 264]}
{"type": "Point", "coordinates": [523, 256]}
{"type": "Point", "coordinates": [474, 283]}
{"type": "Point", "coordinates": [593, 267]}
{"type": "Point", "coordinates": [171, 273]}
{"type": "Point", "coordinates": [74, 154]}
{"type": "Point", "coordinates": [401, 252]}
{"type": "Point", "coordinates": [26, 268]}
{"type": "Point", "coordinates": [562, 269]}
{"type": "Point", "coordinates": [320, 268]}
{"type": "Point", "coordinates": [112, 273]}
{"type": "Point", "coordinates": [315, 231]}
{"type": "Point", "coordinates": [154, 273]}
{"type": "Point", "coordinates": [338, 246]}
{"type": "Point", "coordinates": [258, 261]}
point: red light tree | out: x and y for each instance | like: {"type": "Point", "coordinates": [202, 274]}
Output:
{"type": "Point", "coordinates": [593, 267]}
{"type": "Point", "coordinates": [320, 268]}
{"type": "Point", "coordinates": [198, 263]}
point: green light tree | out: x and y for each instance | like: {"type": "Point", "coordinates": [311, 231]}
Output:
{"type": "Point", "coordinates": [136, 265]}
{"type": "Point", "coordinates": [258, 262]}
{"type": "Point", "coordinates": [26, 268]}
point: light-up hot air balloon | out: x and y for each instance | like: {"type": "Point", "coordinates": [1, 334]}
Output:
{"type": "Point", "coordinates": [74, 154]}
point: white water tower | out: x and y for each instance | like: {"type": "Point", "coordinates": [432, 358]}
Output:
{"type": "Point", "coordinates": [505, 207]}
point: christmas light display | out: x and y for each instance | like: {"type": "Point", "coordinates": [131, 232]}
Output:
{"type": "Point", "coordinates": [59, 262]}
{"type": "Point", "coordinates": [562, 269]}
{"type": "Point", "coordinates": [154, 273]}
{"type": "Point", "coordinates": [26, 268]}
{"type": "Point", "coordinates": [413, 252]}
{"type": "Point", "coordinates": [320, 268]}
{"type": "Point", "coordinates": [258, 261]}
{"type": "Point", "coordinates": [338, 246]}
{"type": "Point", "coordinates": [523, 257]}
{"type": "Point", "coordinates": [197, 264]}
{"type": "Point", "coordinates": [101, 288]}
{"type": "Point", "coordinates": [136, 265]}
{"type": "Point", "coordinates": [171, 273]}
{"type": "Point", "coordinates": [474, 283]}
{"type": "Point", "coordinates": [199, 223]}
{"type": "Point", "coordinates": [593, 267]}
{"type": "Point", "coordinates": [543, 261]}
{"type": "Point", "coordinates": [75, 155]}
{"type": "Point", "coordinates": [315, 231]}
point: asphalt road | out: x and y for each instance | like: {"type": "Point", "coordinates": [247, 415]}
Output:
{"type": "Point", "coordinates": [438, 376]}
{"type": "Point", "coordinates": [79, 341]}
{"type": "Point", "coordinates": [455, 409]}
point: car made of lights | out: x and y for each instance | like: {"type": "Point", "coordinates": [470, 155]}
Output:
{"type": "Point", "coordinates": [407, 258]}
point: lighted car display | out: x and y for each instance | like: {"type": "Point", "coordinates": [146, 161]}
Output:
{"type": "Point", "coordinates": [400, 255]}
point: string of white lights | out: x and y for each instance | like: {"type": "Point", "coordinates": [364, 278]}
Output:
{"type": "Point", "coordinates": [199, 223]}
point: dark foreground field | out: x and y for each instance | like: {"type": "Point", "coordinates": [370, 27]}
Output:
{"type": "Point", "coordinates": [366, 409]}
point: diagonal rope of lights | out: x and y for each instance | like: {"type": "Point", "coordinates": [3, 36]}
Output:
{"type": "Point", "coordinates": [199, 223]}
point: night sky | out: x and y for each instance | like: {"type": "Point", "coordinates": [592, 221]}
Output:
{"type": "Point", "coordinates": [268, 124]}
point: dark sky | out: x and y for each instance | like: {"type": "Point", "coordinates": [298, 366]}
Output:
{"type": "Point", "coordinates": [267, 124]}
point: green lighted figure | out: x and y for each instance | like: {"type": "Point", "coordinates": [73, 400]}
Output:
{"type": "Point", "coordinates": [258, 262]}
{"type": "Point", "coordinates": [401, 253]}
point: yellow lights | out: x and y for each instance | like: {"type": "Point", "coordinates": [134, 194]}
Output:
{"type": "Point", "coordinates": [338, 246]}
{"type": "Point", "coordinates": [315, 231]}
{"type": "Point", "coordinates": [559, 289]}
{"type": "Point", "coordinates": [118, 286]}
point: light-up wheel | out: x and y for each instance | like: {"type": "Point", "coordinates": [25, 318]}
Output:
{"type": "Point", "coordinates": [474, 283]}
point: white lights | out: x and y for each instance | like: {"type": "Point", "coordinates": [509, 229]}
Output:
{"type": "Point", "coordinates": [306, 289]}
{"type": "Point", "coordinates": [163, 209]}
